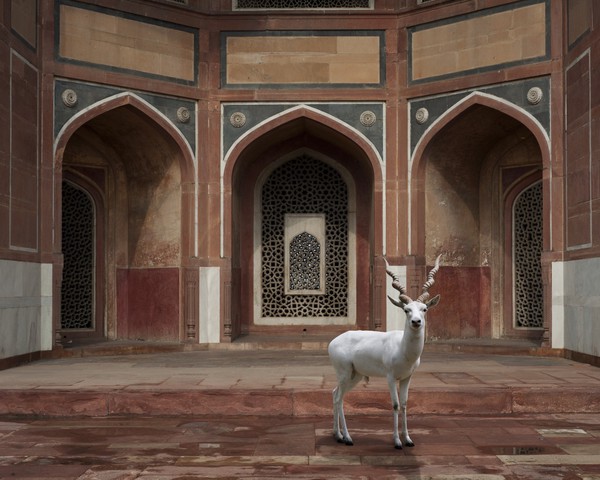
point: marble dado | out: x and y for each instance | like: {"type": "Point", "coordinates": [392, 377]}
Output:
{"type": "Point", "coordinates": [25, 307]}
{"type": "Point", "coordinates": [576, 305]}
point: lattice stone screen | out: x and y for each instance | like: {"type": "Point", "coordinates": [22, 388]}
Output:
{"type": "Point", "coordinates": [78, 223]}
{"type": "Point", "coordinates": [527, 250]}
{"type": "Point", "coordinates": [306, 186]}
{"type": "Point", "coordinates": [300, 4]}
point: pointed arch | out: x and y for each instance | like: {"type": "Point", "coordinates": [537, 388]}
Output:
{"type": "Point", "coordinates": [126, 99]}
{"type": "Point", "coordinates": [418, 162]}
{"type": "Point", "coordinates": [304, 116]}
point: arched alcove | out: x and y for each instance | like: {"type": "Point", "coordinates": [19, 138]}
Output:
{"type": "Point", "coordinates": [462, 173]}
{"type": "Point", "coordinates": [251, 161]}
{"type": "Point", "coordinates": [135, 159]}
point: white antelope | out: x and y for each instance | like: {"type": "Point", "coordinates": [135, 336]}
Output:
{"type": "Point", "coordinates": [394, 355]}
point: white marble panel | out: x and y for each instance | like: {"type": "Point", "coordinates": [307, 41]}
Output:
{"type": "Point", "coordinates": [580, 304]}
{"type": "Point", "coordinates": [558, 307]}
{"type": "Point", "coordinates": [210, 306]}
{"type": "Point", "coordinates": [395, 317]}
{"type": "Point", "coordinates": [25, 308]}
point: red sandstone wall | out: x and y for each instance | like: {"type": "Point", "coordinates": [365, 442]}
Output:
{"type": "Point", "coordinates": [148, 305]}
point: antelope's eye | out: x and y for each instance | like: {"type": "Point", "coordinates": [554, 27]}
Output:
{"type": "Point", "coordinates": [425, 309]}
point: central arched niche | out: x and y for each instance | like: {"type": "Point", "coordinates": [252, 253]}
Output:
{"type": "Point", "coordinates": [142, 166]}
{"type": "Point", "coordinates": [297, 135]}
{"type": "Point", "coordinates": [463, 217]}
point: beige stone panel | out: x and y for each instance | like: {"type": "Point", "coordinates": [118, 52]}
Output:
{"type": "Point", "coordinates": [354, 73]}
{"type": "Point", "coordinates": [498, 38]}
{"type": "Point", "coordinates": [319, 44]}
{"type": "Point", "coordinates": [119, 41]}
{"type": "Point", "coordinates": [176, 65]}
{"type": "Point", "coordinates": [303, 60]}
{"type": "Point", "coordinates": [279, 59]}
{"type": "Point", "coordinates": [358, 45]}
{"type": "Point", "coordinates": [434, 66]}
{"type": "Point", "coordinates": [531, 48]}
{"type": "Point", "coordinates": [279, 73]}
{"type": "Point", "coordinates": [103, 39]}
{"type": "Point", "coordinates": [135, 59]}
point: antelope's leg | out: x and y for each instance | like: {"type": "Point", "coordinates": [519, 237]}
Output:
{"type": "Point", "coordinates": [395, 406]}
{"type": "Point", "coordinates": [345, 384]}
{"type": "Point", "coordinates": [404, 384]}
{"type": "Point", "coordinates": [336, 416]}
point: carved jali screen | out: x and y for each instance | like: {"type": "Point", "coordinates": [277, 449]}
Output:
{"type": "Point", "coordinates": [300, 4]}
{"type": "Point", "coordinates": [77, 303]}
{"type": "Point", "coordinates": [304, 185]}
{"type": "Point", "coordinates": [527, 251]}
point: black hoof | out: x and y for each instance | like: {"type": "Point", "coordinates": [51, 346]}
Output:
{"type": "Point", "coordinates": [342, 440]}
{"type": "Point", "coordinates": [409, 444]}
{"type": "Point", "coordinates": [398, 447]}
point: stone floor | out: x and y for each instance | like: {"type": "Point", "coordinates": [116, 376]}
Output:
{"type": "Point", "coordinates": [448, 447]}
{"type": "Point", "coordinates": [256, 413]}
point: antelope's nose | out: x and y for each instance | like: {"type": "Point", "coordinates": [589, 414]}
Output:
{"type": "Point", "coordinates": [416, 323]}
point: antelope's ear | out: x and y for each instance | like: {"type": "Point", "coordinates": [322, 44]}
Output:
{"type": "Point", "coordinates": [433, 302]}
{"type": "Point", "coordinates": [396, 302]}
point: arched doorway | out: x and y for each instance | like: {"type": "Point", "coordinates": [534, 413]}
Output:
{"type": "Point", "coordinates": [465, 178]}
{"type": "Point", "coordinates": [134, 160]}
{"type": "Point", "coordinates": [316, 176]}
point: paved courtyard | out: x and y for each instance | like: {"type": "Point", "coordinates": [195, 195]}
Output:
{"type": "Point", "coordinates": [447, 447]}
{"type": "Point", "coordinates": [267, 414]}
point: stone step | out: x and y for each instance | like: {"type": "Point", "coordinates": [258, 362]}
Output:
{"type": "Point", "coordinates": [262, 378]}
{"type": "Point", "coordinates": [301, 343]}
{"type": "Point", "coordinates": [263, 402]}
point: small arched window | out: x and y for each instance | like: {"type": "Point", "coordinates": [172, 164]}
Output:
{"type": "Point", "coordinates": [304, 254]}
{"type": "Point", "coordinates": [305, 262]}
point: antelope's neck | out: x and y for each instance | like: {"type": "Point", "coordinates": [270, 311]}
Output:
{"type": "Point", "coordinates": [413, 343]}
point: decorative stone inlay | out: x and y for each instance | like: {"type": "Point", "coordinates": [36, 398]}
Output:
{"type": "Point", "coordinates": [183, 114]}
{"type": "Point", "coordinates": [422, 115]}
{"type": "Point", "coordinates": [368, 118]}
{"type": "Point", "coordinates": [238, 119]}
{"type": "Point", "coordinates": [535, 95]}
{"type": "Point", "coordinates": [69, 98]}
